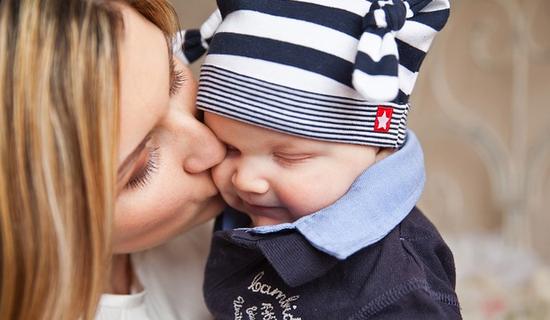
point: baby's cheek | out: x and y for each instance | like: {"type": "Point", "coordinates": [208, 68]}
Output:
{"type": "Point", "coordinates": [300, 199]}
{"type": "Point", "coordinates": [303, 198]}
{"type": "Point", "coordinates": [221, 174]}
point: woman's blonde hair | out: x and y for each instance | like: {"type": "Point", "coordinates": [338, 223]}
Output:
{"type": "Point", "coordinates": [59, 92]}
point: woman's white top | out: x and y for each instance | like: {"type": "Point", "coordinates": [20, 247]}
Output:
{"type": "Point", "coordinates": [172, 276]}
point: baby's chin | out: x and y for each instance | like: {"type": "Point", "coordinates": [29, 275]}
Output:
{"type": "Point", "coordinates": [261, 221]}
{"type": "Point", "coordinates": [269, 217]}
{"type": "Point", "coordinates": [262, 216]}
{"type": "Point", "coordinates": [265, 216]}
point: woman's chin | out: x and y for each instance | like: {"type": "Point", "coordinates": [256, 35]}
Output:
{"type": "Point", "coordinates": [149, 234]}
{"type": "Point", "coordinates": [211, 208]}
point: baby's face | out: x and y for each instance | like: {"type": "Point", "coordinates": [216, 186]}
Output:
{"type": "Point", "coordinates": [276, 177]}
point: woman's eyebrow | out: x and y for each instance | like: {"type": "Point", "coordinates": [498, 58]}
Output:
{"type": "Point", "coordinates": [127, 164]}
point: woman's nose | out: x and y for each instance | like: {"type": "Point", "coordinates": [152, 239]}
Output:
{"type": "Point", "coordinates": [247, 179]}
{"type": "Point", "coordinates": [207, 151]}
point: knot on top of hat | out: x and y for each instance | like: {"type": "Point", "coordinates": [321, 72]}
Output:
{"type": "Point", "coordinates": [390, 14]}
{"type": "Point", "coordinates": [189, 45]}
{"type": "Point", "coordinates": [375, 74]}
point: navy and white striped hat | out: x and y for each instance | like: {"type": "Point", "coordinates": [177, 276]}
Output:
{"type": "Point", "coordinates": [335, 70]}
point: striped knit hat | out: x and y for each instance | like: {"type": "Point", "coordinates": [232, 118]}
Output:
{"type": "Point", "coordinates": [331, 70]}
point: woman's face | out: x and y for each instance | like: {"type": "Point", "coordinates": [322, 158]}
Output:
{"type": "Point", "coordinates": [165, 153]}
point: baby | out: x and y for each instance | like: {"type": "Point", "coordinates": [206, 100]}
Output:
{"type": "Point", "coordinates": [321, 174]}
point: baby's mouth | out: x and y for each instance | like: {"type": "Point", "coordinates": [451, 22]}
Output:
{"type": "Point", "coordinates": [257, 208]}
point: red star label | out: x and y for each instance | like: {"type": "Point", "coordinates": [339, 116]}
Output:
{"type": "Point", "coordinates": [382, 122]}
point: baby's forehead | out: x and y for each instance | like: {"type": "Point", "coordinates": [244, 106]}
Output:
{"type": "Point", "coordinates": [292, 142]}
{"type": "Point", "coordinates": [252, 136]}
{"type": "Point", "coordinates": [283, 141]}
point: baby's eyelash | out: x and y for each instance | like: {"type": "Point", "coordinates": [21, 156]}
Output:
{"type": "Point", "coordinates": [142, 177]}
{"type": "Point", "coordinates": [177, 78]}
{"type": "Point", "coordinates": [288, 159]}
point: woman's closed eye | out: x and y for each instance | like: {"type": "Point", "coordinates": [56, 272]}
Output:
{"type": "Point", "coordinates": [147, 163]}
{"type": "Point", "coordinates": [146, 166]}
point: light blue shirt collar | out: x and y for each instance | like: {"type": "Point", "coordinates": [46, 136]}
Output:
{"type": "Point", "coordinates": [378, 200]}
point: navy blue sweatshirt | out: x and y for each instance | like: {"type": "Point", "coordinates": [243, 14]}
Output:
{"type": "Point", "coordinates": [409, 274]}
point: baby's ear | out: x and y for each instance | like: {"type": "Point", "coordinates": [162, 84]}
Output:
{"type": "Point", "coordinates": [383, 153]}
{"type": "Point", "coordinates": [191, 44]}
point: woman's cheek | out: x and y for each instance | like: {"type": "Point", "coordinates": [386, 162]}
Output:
{"type": "Point", "coordinates": [146, 206]}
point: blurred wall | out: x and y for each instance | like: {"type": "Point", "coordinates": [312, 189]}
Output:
{"type": "Point", "coordinates": [481, 109]}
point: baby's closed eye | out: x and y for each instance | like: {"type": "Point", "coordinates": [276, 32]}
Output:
{"type": "Point", "coordinates": [292, 158]}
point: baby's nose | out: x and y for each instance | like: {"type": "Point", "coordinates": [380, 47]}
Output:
{"type": "Point", "coordinates": [248, 180]}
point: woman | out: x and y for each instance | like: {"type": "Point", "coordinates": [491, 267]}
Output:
{"type": "Point", "coordinates": [100, 154]}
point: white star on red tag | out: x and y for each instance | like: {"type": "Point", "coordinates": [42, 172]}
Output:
{"type": "Point", "coordinates": [383, 121]}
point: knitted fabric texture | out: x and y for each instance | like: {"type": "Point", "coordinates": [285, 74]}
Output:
{"type": "Point", "coordinates": [330, 70]}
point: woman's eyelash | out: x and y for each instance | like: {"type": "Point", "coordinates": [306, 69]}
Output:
{"type": "Point", "coordinates": [142, 177]}
{"type": "Point", "coordinates": [177, 78]}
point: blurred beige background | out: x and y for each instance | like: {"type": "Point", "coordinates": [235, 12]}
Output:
{"type": "Point", "coordinates": [481, 109]}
